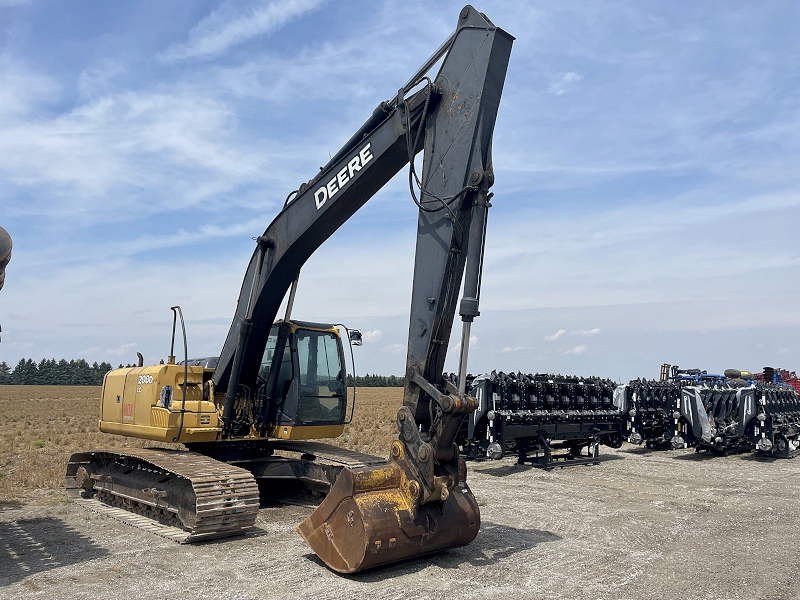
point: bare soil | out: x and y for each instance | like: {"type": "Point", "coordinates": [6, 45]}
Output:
{"type": "Point", "coordinates": [642, 524]}
{"type": "Point", "coordinates": [43, 425]}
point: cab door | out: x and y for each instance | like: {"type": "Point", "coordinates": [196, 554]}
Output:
{"type": "Point", "coordinates": [320, 378]}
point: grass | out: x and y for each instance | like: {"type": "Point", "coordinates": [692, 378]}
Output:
{"type": "Point", "coordinates": [44, 425]}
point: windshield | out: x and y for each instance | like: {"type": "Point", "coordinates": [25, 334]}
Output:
{"type": "Point", "coordinates": [322, 392]}
{"type": "Point", "coordinates": [285, 373]}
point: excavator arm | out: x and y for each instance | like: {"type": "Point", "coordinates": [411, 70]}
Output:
{"type": "Point", "coordinates": [420, 502]}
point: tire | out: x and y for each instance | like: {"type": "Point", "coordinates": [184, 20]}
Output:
{"type": "Point", "coordinates": [732, 373]}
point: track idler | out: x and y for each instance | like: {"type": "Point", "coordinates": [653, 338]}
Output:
{"type": "Point", "coordinates": [416, 504]}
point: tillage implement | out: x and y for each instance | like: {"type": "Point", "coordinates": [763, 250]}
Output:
{"type": "Point", "coordinates": [247, 416]}
{"type": "Point", "coordinates": [545, 420]}
{"type": "Point", "coordinates": [724, 414]}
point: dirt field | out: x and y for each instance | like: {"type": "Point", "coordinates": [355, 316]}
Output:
{"type": "Point", "coordinates": [640, 525]}
{"type": "Point", "coordinates": [45, 424]}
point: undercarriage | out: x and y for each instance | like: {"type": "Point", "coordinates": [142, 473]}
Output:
{"type": "Point", "coordinates": [211, 491]}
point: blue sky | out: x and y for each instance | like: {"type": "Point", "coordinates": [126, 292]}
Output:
{"type": "Point", "coordinates": [647, 192]}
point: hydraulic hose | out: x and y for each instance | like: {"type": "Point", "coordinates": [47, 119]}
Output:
{"type": "Point", "coordinates": [185, 369]}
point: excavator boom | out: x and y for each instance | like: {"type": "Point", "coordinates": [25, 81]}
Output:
{"type": "Point", "coordinates": [459, 110]}
{"type": "Point", "coordinates": [420, 502]}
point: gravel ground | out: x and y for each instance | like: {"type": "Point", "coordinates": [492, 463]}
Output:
{"type": "Point", "coordinates": [643, 524]}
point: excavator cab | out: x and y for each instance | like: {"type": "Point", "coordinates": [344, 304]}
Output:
{"type": "Point", "coordinates": [311, 398]}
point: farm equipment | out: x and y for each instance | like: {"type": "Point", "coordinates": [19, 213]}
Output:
{"type": "Point", "coordinates": [277, 385]}
{"type": "Point", "coordinates": [776, 430]}
{"type": "Point", "coordinates": [771, 375]}
{"type": "Point", "coordinates": [735, 412]}
{"type": "Point", "coordinates": [554, 418]}
{"type": "Point", "coordinates": [715, 418]}
{"type": "Point", "coordinates": [725, 420]}
{"type": "Point", "coordinates": [688, 408]}
{"type": "Point", "coordinates": [742, 415]}
{"type": "Point", "coordinates": [649, 411]}
{"type": "Point", "coordinates": [689, 376]}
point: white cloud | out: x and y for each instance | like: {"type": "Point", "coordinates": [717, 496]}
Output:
{"type": "Point", "coordinates": [177, 144]}
{"type": "Point", "coordinates": [514, 349]}
{"type": "Point", "coordinates": [578, 349]}
{"type": "Point", "coordinates": [95, 80]}
{"type": "Point", "coordinates": [473, 343]}
{"type": "Point", "coordinates": [372, 336]}
{"type": "Point", "coordinates": [394, 348]}
{"type": "Point", "coordinates": [21, 91]}
{"type": "Point", "coordinates": [555, 336]}
{"type": "Point", "coordinates": [586, 332]}
{"type": "Point", "coordinates": [614, 256]}
{"type": "Point", "coordinates": [231, 25]}
{"type": "Point", "coordinates": [567, 82]}
{"type": "Point", "coordinates": [161, 146]}
{"type": "Point", "coordinates": [96, 160]}
{"type": "Point", "coordinates": [122, 350]}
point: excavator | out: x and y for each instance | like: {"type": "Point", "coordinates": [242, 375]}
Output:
{"type": "Point", "coordinates": [251, 415]}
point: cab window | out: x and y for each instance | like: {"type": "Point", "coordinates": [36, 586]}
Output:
{"type": "Point", "coordinates": [321, 377]}
{"type": "Point", "coordinates": [285, 373]}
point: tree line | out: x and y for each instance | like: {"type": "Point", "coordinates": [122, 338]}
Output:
{"type": "Point", "coordinates": [375, 381]}
{"type": "Point", "coordinates": [80, 372]}
{"type": "Point", "coordinates": [52, 372]}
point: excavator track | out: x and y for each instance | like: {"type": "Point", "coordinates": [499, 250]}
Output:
{"type": "Point", "coordinates": [182, 496]}
{"type": "Point", "coordinates": [341, 456]}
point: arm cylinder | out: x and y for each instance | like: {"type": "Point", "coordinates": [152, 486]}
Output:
{"type": "Point", "coordinates": [468, 308]}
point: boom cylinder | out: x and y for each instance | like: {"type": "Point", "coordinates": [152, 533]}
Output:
{"type": "Point", "coordinates": [245, 328]}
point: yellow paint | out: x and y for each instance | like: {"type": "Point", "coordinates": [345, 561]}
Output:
{"type": "Point", "coordinates": [159, 434]}
{"type": "Point", "coordinates": [140, 388]}
{"type": "Point", "coordinates": [381, 501]}
{"type": "Point", "coordinates": [294, 327]}
{"type": "Point", "coordinates": [303, 432]}
{"type": "Point", "coordinates": [369, 479]}
{"type": "Point", "coordinates": [130, 404]}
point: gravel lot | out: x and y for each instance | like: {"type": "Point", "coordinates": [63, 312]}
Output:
{"type": "Point", "coordinates": [643, 524]}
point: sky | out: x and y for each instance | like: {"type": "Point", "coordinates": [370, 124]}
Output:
{"type": "Point", "coordinates": [647, 189]}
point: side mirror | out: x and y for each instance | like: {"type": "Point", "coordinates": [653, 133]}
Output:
{"type": "Point", "coordinates": [355, 337]}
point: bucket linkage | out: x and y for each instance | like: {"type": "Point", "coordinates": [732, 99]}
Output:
{"type": "Point", "coordinates": [416, 504]}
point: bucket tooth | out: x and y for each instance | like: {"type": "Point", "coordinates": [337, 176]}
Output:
{"type": "Point", "coordinates": [371, 518]}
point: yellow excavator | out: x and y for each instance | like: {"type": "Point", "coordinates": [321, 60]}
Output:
{"type": "Point", "coordinates": [250, 415]}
